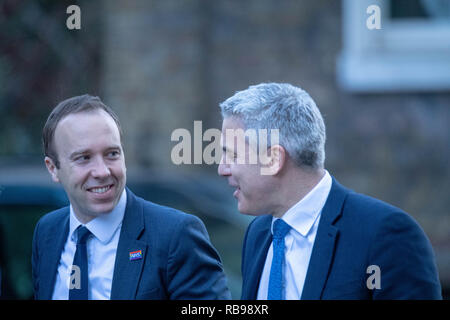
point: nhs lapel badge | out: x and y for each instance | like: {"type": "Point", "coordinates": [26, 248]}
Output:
{"type": "Point", "coordinates": [135, 255]}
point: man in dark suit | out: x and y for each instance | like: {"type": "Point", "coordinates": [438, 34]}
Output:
{"type": "Point", "coordinates": [109, 243]}
{"type": "Point", "coordinates": [312, 238]}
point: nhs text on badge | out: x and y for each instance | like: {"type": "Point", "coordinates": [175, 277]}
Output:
{"type": "Point", "coordinates": [136, 255]}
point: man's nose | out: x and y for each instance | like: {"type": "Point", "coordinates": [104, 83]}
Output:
{"type": "Point", "coordinates": [100, 169]}
{"type": "Point", "coordinates": [224, 169]}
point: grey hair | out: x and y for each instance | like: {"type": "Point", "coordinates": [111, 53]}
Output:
{"type": "Point", "coordinates": [290, 110]}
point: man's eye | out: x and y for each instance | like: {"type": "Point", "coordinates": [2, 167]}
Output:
{"type": "Point", "coordinates": [82, 158]}
{"type": "Point", "coordinates": [113, 154]}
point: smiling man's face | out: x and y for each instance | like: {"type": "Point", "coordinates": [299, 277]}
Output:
{"type": "Point", "coordinates": [92, 164]}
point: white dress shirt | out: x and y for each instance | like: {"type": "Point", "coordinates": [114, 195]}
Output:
{"type": "Point", "coordinates": [303, 218]}
{"type": "Point", "coordinates": [101, 250]}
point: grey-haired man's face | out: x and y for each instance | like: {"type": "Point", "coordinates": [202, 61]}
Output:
{"type": "Point", "coordinates": [252, 189]}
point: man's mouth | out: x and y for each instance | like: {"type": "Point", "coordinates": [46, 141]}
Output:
{"type": "Point", "coordinates": [100, 190]}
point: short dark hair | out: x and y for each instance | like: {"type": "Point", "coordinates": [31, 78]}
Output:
{"type": "Point", "coordinates": [72, 105]}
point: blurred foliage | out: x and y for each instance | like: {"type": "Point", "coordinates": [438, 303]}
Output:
{"type": "Point", "coordinates": [41, 63]}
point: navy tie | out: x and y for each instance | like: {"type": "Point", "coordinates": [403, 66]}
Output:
{"type": "Point", "coordinates": [80, 260]}
{"type": "Point", "coordinates": [280, 229]}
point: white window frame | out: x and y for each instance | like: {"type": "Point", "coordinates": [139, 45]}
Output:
{"type": "Point", "coordinates": [404, 55]}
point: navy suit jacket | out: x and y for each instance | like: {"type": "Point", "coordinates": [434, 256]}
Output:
{"type": "Point", "coordinates": [178, 260]}
{"type": "Point", "coordinates": [355, 231]}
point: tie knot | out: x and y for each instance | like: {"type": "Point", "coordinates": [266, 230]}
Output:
{"type": "Point", "coordinates": [82, 234]}
{"type": "Point", "coordinates": [280, 229]}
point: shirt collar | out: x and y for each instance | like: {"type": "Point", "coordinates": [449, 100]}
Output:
{"type": "Point", "coordinates": [303, 214]}
{"type": "Point", "coordinates": [104, 226]}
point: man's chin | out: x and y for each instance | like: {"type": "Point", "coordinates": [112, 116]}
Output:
{"type": "Point", "coordinates": [99, 210]}
{"type": "Point", "coordinates": [247, 211]}
{"type": "Point", "coordinates": [96, 211]}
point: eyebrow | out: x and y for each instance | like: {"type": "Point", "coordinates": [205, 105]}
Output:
{"type": "Point", "coordinates": [84, 151]}
{"type": "Point", "coordinates": [73, 155]}
{"type": "Point", "coordinates": [79, 152]}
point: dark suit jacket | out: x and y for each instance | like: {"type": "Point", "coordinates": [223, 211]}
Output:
{"type": "Point", "coordinates": [355, 232]}
{"type": "Point", "coordinates": [178, 260]}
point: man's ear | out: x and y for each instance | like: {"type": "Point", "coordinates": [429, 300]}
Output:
{"type": "Point", "coordinates": [52, 169]}
{"type": "Point", "coordinates": [276, 159]}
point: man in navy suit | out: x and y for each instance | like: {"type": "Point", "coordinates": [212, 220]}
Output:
{"type": "Point", "coordinates": [312, 238]}
{"type": "Point", "coordinates": [109, 243]}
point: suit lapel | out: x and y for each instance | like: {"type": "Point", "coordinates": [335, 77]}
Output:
{"type": "Point", "coordinates": [127, 271]}
{"type": "Point", "coordinates": [323, 250]}
{"type": "Point", "coordinates": [51, 255]}
{"type": "Point", "coordinates": [262, 243]}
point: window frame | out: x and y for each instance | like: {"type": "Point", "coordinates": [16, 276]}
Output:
{"type": "Point", "coordinates": [408, 54]}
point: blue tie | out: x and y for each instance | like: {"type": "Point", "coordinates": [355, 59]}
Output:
{"type": "Point", "coordinates": [80, 260]}
{"type": "Point", "coordinates": [280, 229]}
